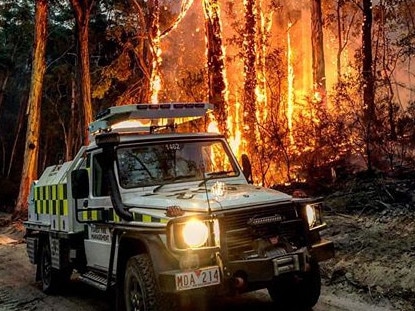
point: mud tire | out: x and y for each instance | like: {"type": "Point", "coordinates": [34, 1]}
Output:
{"type": "Point", "coordinates": [141, 291]}
{"type": "Point", "coordinates": [297, 292]}
{"type": "Point", "coordinates": [52, 279]}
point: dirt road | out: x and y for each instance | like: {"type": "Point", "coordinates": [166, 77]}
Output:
{"type": "Point", "coordinates": [19, 291]}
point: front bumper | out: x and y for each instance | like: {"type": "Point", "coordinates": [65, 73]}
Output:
{"type": "Point", "coordinates": [322, 250]}
{"type": "Point", "coordinates": [259, 270]}
{"type": "Point", "coordinates": [265, 269]}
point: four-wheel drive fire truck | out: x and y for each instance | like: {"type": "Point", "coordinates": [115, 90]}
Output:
{"type": "Point", "coordinates": [153, 212]}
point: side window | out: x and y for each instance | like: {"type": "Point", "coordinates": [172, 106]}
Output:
{"type": "Point", "coordinates": [99, 183]}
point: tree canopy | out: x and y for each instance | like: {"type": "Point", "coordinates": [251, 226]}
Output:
{"type": "Point", "coordinates": [258, 61]}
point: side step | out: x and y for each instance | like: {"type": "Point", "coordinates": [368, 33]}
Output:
{"type": "Point", "coordinates": [93, 279]}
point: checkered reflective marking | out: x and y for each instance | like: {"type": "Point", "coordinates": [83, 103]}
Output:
{"type": "Point", "coordinates": [96, 215]}
{"type": "Point", "coordinates": [51, 199]}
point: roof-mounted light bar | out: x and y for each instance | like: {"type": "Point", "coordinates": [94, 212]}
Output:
{"type": "Point", "coordinates": [113, 115]}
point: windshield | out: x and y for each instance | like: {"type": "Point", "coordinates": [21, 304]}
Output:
{"type": "Point", "coordinates": [165, 162]}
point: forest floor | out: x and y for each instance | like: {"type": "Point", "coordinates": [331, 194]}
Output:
{"type": "Point", "coordinates": [372, 224]}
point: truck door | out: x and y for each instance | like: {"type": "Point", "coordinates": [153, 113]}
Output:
{"type": "Point", "coordinates": [99, 216]}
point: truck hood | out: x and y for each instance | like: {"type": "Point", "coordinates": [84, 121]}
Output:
{"type": "Point", "coordinates": [226, 196]}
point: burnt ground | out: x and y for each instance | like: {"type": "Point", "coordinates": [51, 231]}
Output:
{"type": "Point", "coordinates": [371, 222]}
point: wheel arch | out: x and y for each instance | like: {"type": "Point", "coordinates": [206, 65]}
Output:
{"type": "Point", "coordinates": [133, 243]}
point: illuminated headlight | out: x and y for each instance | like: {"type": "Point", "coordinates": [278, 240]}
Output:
{"type": "Point", "coordinates": [198, 232]}
{"type": "Point", "coordinates": [195, 233]}
{"type": "Point", "coordinates": [311, 215]}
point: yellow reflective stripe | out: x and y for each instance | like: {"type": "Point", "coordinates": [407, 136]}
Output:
{"type": "Point", "coordinates": [147, 218]}
{"type": "Point", "coordinates": [65, 208]}
{"type": "Point", "coordinates": [51, 199]}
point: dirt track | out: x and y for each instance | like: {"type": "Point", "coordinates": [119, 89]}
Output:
{"type": "Point", "coordinates": [19, 291]}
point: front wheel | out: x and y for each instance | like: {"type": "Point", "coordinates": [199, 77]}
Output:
{"type": "Point", "coordinates": [297, 292]}
{"type": "Point", "coordinates": [141, 291]}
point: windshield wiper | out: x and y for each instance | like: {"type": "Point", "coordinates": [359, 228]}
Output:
{"type": "Point", "coordinates": [173, 179]}
{"type": "Point", "coordinates": [213, 175]}
{"type": "Point", "coordinates": [219, 173]}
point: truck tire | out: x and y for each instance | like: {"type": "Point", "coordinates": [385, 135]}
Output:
{"type": "Point", "coordinates": [48, 274]}
{"type": "Point", "coordinates": [52, 279]}
{"type": "Point", "coordinates": [141, 291]}
{"type": "Point", "coordinates": [298, 292]}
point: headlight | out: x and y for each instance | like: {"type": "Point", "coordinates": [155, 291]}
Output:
{"type": "Point", "coordinates": [311, 215]}
{"type": "Point", "coordinates": [195, 233]}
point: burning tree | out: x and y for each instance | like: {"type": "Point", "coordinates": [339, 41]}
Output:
{"type": "Point", "coordinates": [215, 61]}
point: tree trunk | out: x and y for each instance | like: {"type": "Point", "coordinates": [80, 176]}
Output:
{"type": "Point", "coordinates": [29, 173]}
{"type": "Point", "coordinates": [339, 41]}
{"type": "Point", "coordinates": [369, 111]}
{"type": "Point", "coordinates": [250, 77]}
{"type": "Point", "coordinates": [216, 64]}
{"type": "Point", "coordinates": [82, 11]}
{"type": "Point", "coordinates": [155, 80]}
{"type": "Point", "coordinates": [319, 75]}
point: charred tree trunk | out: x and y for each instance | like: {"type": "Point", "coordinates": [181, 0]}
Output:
{"type": "Point", "coordinates": [250, 77]}
{"type": "Point", "coordinates": [216, 79]}
{"type": "Point", "coordinates": [31, 152]}
{"type": "Point", "coordinates": [369, 111]}
{"type": "Point", "coordinates": [82, 11]}
{"type": "Point", "coordinates": [319, 75]}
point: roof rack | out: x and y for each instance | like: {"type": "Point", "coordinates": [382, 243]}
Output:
{"type": "Point", "coordinates": [108, 117]}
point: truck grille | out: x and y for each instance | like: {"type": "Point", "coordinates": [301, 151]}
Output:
{"type": "Point", "coordinates": [244, 230]}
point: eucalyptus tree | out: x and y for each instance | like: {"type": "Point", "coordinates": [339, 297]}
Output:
{"type": "Point", "coordinates": [82, 12]}
{"type": "Point", "coordinates": [29, 172]}
{"type": "Point", "coordinates": [319, 75]}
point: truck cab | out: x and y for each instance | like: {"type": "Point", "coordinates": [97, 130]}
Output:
{"type": "Point", "coordinates": [154, 210]}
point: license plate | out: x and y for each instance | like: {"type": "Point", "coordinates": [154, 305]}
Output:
{"type": "Point", "coordinates": [197, 278]}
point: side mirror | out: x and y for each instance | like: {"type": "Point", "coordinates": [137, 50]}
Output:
{"type": "Point", "coordinates": [80, 184]}
{"type": "Point", "coordinates": [246, 168]}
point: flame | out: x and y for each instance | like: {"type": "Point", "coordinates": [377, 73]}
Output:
{"type": "Point", "coordinates": [265, 24]}
{"type": "Point", "coordinates": [235, 140]}
{"type": "Point", "coordinates": [213, 127]}
{"type": "Point", "coordinates": [290, 91]}
{"type": "Point", "coordinates": [184, 7]}
{"type": "Point", "coordinates": [155, 79]}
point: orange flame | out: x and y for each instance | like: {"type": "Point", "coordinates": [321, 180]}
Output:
{"type": "Point", "coordinates": [265, 24]}
{"type": "Point", "coordinates": [290, 95]}
{"type": "Point", "coordinates": [155, 79]}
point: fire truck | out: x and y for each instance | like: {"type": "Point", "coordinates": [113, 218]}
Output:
{"type": "Point", "coordinates": [153, 210]}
